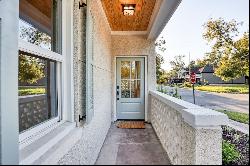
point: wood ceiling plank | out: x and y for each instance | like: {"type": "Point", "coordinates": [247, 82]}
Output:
{"type": "Point", "coordinates": [138, 22]}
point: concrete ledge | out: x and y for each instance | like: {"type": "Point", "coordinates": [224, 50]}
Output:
{"type": "Point", "coordinates": [194, 115]}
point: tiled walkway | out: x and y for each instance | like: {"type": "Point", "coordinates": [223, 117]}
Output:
{"type": "Point", "coordinates": [132, 147]}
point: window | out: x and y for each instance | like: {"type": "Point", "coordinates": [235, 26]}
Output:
{"type": "Point", "coordinates": [40, 23]}
{"type": "Point", "coordinates": [130, 79]}
{"type": "Point", "coordinates": [39, 62]}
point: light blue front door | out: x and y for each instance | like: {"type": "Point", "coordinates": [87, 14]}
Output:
{"type": "Point", "coordinates": [130, 88]}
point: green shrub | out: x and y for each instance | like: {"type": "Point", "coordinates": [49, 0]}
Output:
{"type": "Point", "coordinates": [229, 153]}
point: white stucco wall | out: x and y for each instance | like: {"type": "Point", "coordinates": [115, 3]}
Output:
{"type": "Point", "coordinates": [135, 46]}
{"type": "Point", "coordinates": [191, 135]}
{"type": "Point", "coordinates": [86, 150]}
{"type": "Point", "coordinates": [105, 49]}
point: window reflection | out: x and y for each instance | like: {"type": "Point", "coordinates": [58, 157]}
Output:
{"type": "Point", "coordinates": [135, 89]}
{"type": "Point", "coordinates": [130, 79]}
{"type": "Point", "coordinates": [37, 91]}
{"type": "Point", "coordinates": [125, 70]}
{"type": "Point", "coordinates": [136, 69]}
{"type": "Point", "coordinates": [125, 89]}
{"type": "Point", "coordinates": [40, 23]}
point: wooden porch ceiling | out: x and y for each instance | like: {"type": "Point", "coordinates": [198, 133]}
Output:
{"type": "Point", "coordinates": [138, 22]}
{"type": "Point", "coordinates": [38, 13]}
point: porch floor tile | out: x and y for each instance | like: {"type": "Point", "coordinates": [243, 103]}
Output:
{"type": "Point", "coordinates": [132, 147]}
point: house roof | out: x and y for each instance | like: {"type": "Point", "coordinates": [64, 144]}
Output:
{"type": "Point", "coordinates": [194, 70]}
{"type": "Point", "coordinates": [207, 69]}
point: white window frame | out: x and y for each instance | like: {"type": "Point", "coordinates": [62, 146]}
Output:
{"type": "Point", "coordinates": [34, 133]}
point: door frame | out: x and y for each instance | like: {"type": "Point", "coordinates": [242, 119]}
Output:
{"type": "Point", "coordinates": [146, 84]}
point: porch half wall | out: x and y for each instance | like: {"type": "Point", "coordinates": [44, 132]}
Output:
{"type": "Point", "coordinates": [134, 46]}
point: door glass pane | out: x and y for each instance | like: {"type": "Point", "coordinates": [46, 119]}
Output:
{"type": "Point", "coordinates": [136, 70]}
{"type": "Point", "coordinates": [125, 69]}
{"type": "Point", "coordinates": [135, 89]}
{"type": "Point", "coordinates": [125, 89]}
{"type": "Point", "coordinates": [37, 91]}
{"type": "Point", "coordinates": [40, 23]}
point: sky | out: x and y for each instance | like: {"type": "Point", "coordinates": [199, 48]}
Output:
{"type": "Point", "coordinates": [183, 33]}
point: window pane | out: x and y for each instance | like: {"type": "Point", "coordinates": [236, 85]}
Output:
{"type": "Point", "coordinates": [125, 69]}
{"type": "Point", "coordinates": [37, 91]}
{"type": "Point", "coordinates": [135, 89]}
{"type": "Point", "coordinates": [125, 89]}
{"type": "Point", "coordinates": [40, 23]}
{"type": "Point", "coordinates": [136, 70]}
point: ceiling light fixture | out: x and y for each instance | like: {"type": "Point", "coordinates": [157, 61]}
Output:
{"type": "Point", "coordinates": [128, 9]}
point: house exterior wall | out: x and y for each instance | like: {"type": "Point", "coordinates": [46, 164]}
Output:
{"type": "Point", "coordinates": [86, 150]}
{"type": "Point", "coordinates": [213, 79]}
{"type": "Point", "coordinates": [135, 46]}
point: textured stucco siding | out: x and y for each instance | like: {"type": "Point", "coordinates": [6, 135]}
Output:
{"type": "Point", "coordinates": [184, 144]}
{"type": "Point", "coordinates": [136, 46]}
{"type": "Point", "coordinates": [79, 60]}
{"type": "Point", "coordinates": [213, 79]}
{"type": "Point", "coordinates": [87, 149]}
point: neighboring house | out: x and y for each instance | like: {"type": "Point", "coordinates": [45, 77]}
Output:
{"type": "Point", "coordinates": [208, 76]}
{"type": "Point", "coordinates": [100, 65]}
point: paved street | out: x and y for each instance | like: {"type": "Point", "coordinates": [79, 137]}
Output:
{"type": "Point", "coordinates": [230, 102]}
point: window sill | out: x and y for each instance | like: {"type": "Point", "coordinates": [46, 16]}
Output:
{"type": "Point", "coordinates": [36, 148]}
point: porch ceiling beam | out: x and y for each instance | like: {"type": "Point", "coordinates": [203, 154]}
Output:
{"type": "Point", "coordinates": [129, 33]}
{"type": "Point", "coordinates": [166, 11]}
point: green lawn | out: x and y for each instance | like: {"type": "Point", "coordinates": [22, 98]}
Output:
{"type": "Point", "coordinates": [236, 116]}
{"type": "Point", "coordinates": [239, 89]}
{"type": "Point", "coordinates": [25, 91]}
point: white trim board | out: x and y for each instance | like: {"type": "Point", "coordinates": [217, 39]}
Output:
{"type": "Point", "coordinates": [146, 84]}
{"type": "Point", "coordinates": [36, 50]}
{"type": "Point", "coordinates": [128, 33]}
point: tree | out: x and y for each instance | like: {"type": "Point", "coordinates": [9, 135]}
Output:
{"type": "Point", "coordinates": [227, 54]}
{"type": "Point", "coordinates": [235, 65]}
{"type": "Point", "coordinates": [201, 63]}
{"type": "Point", "coordinates": [31, 69]}
{"type": "Point", "coordinates": [178, 65]}
{"type": "Point", "coordinates": [161, 45]}
{"type": "Point", "coordinates": [159, 70]}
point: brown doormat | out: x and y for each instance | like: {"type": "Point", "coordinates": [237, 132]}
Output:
{"type": "Point", "coordinates": [131, 125]}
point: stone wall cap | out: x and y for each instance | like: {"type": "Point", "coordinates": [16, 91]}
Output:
{"type": "Point", "coordinates": [192, 114]}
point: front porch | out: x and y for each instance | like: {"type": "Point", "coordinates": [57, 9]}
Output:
{"type": "Point", "coordinates": [82, 90]}
{"type": "Point", "coordinates": [132, 147]}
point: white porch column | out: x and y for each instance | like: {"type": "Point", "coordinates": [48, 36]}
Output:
{"type": "Point", "coordinates": [9, 133]}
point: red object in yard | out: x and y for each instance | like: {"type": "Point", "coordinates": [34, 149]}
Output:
{"type": "Point", "coordinates": [193, 78]}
